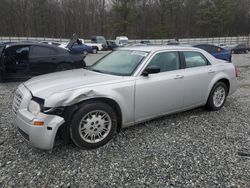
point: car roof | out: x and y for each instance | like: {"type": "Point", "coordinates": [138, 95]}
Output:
{"type": "Point", "coordinates": [31, 43]}
{"type": "Point", "coordinates": [157, 48]}
{"type": "Point", "coordinates": [36, 44]}
{"type": "Point", "coordinates": [213, 45]}
{"type": "Point", "coordinates": [204, 44]}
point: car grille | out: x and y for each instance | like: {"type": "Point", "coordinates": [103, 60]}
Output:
{"type": "Point", "coordinates": [24, 134]}
{"type": "Point", "coordinates": [17, 101]}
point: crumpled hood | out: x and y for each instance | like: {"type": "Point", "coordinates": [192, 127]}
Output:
{"type": "Point", "coordinates": [46, 85]}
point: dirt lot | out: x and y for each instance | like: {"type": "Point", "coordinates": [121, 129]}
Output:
{"type": "Point", "coordinates": [191, 149]}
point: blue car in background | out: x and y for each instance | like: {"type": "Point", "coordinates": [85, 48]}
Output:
{"type": "Point", "coordinates": [78, 47]}
{"type": "Point", "coordinates": [216, 51]}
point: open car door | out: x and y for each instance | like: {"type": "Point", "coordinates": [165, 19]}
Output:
{"type": "Point", "coordinates": [73, 40]}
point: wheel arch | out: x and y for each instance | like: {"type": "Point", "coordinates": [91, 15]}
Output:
{"type": "Point", "coordinates": [221, 78]}
{"type": "Point", "coordinates": [226, 82]}
{"type": "Point", "coordinates": [69, 62]}
{"type": "Point", "coordinates": [69, 112]}
{"type": "Point", "coordinates": [95, 47]}
{"type": "Point", "coordinates": [111, 102]}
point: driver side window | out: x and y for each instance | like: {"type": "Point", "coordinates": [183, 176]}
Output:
{"type": "Point", "coordinates": [17, 53]}
{"type": "Point", "coordinates": [166, 61]}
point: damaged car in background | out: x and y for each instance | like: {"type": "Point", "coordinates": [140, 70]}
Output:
{"type": "Point", "coordinates": [23, 60]}
{"type": "Point", "coordinates": [126, 87]}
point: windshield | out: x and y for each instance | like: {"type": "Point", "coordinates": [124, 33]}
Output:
{"type": "Point", "coordinates": [121, 62]}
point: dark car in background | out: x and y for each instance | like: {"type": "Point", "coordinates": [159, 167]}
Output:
{"type": "Point", "coordinates": [79, 47]}
{"type": "Point", "coordinates": [100, 40]}
{"type": "Point", "coordinates": [240, 49]}
{"type": "Point", "coordinates": [216, 51]}
{"type": "Point", "coordinates": [112, 45]}
{"type": "Point", "coordinates": [146, 42]}
{"type": "Point", "coordinates": [76, 45]}
{"type": "Point", "coordinates": [24, 60]}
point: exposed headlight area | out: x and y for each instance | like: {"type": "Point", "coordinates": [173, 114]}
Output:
{"type": "Point", "coordinates": [34, 107]}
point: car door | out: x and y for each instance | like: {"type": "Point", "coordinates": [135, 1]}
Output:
{"type": "Point", "coordinates": [198, 74]}
{"type": "Point", "coordinates": [42, 60]}
{"type": "Point", "coordinates": [161, 93]}
{"type": "Point", "coordinates": [16, 59]}
{"type": "Point", "coordinates": [77, 48]}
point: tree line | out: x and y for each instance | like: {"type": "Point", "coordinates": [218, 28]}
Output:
{"type": "Point", "coordinates": [137, 19]}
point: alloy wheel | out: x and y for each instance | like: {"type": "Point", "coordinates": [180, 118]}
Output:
{"type": "Point", "coordinates": [95, 126]}
{"type": "Point", "coordinates": [219, 96]}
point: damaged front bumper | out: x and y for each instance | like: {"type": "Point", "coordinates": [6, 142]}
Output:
{"type": "Point", "coordinates": [41, 137]}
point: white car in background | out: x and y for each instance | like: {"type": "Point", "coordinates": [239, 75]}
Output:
{"type": "Point", "coordinates": [121, 41]}
{"type": "Point", "coordinates": [126, 87]}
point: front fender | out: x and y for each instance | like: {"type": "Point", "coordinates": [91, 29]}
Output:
{"type": "Point", "coordinates": [123, 97]}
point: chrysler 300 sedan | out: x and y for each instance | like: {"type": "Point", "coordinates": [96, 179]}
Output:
{"type": "Point", "coordinates": [126, 87]}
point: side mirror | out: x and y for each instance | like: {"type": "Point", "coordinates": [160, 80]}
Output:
{"type": "Point", "coordinates": [151, 70]}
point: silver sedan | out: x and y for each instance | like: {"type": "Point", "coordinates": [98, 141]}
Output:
{"type": "Point", "coordinates": [126, 87]}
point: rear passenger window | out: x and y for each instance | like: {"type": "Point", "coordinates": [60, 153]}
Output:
{"type": "Point", "coordinates": [166, 61]}
{"type": "Point", "coordinates": [194, 59]}
{"type": "Point", "coordinates": [43, 51]}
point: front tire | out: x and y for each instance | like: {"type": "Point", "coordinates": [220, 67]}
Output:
{"type": "Point", "coordinates": [217, 97]}
{"type": "Point", "coordinates": [94, 51]}
{"type": "Point", "coordinates": [93, 125]}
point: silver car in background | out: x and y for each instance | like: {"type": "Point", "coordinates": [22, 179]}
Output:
{"type": "Point", "coordinates": [126, 87]}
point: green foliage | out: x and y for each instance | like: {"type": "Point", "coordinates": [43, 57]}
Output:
{"type": "Point", "coordinates": [160, 31]}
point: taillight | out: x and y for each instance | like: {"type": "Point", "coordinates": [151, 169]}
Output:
{"type": "Point", "coordinates": [235, 70]}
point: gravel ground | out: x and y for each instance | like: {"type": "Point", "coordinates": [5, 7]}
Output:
{"type": "Point", "coordinates": [191, 149]}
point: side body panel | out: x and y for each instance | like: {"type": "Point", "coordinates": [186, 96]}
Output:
{"type": "Point", "coordinates": [196, 81]}
{"type": "Point", "coordinates": [158, 94]}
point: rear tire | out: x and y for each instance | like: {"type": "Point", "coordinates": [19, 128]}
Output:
{"type": "Point", "coordinates": [94, 51]}
{"type": "Point", "coordinates": [63, 67]}
{"type": "Point", "coordinates": [217, 97]}
{"type": "Point", "coordinates": [93, 125]}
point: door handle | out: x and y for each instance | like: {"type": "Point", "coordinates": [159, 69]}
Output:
{"type": "Point", "coordinates": [179, 77]}
{"type": "Point", "coordinates": [211, 71]}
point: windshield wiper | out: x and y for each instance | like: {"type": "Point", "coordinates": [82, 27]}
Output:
{"type": "Point", "coordinates": [96, 70]}
{"type": "Point", "coordinates": [87, 67]}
